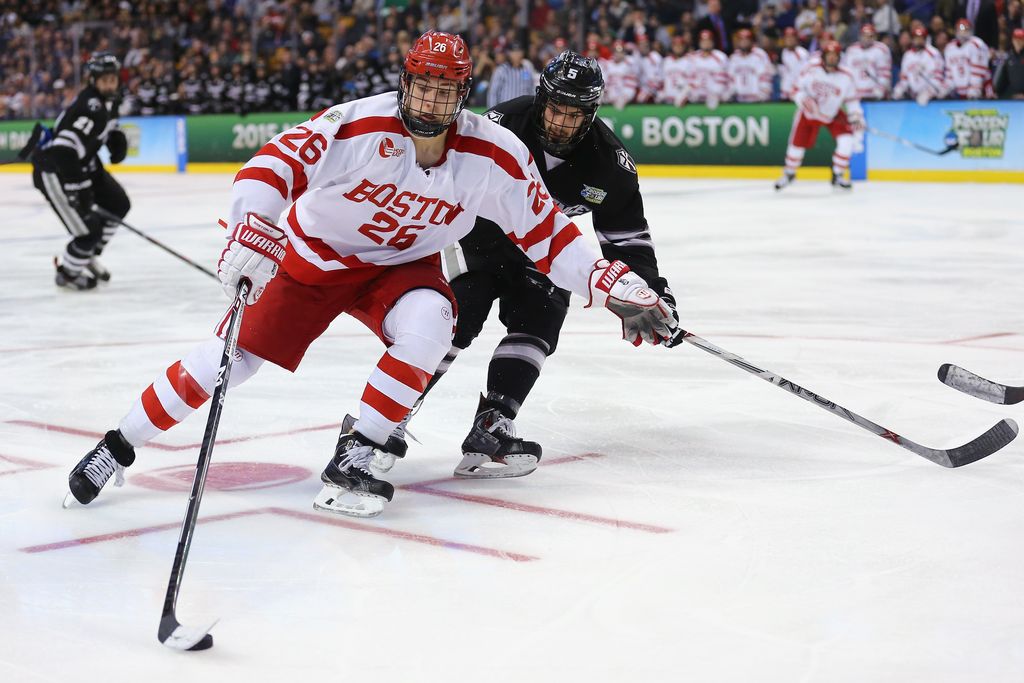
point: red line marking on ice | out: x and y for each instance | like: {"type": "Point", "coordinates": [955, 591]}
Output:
{"type": "Point", "coordinates": [428, 488]}
{"type": "Point", "coordinates": [292, 514]}
{"type": "Point", "coordinates": [26, 465]}
{"type": "Point", "coordinates": [170, 447]}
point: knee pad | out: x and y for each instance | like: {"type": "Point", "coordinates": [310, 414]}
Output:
{"type": "Point", "coordinates": [203, 363]}
{"type": "Point", "coordinates": [420, 325]}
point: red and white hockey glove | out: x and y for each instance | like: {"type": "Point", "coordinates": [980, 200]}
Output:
{"type": "Point", "coordinates": [255, 251]}
{"type": "Point", "coordinates": [646, 317]}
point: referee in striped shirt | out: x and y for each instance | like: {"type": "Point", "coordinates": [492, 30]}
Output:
{"type": "Point", "coordinates": [513, 78]}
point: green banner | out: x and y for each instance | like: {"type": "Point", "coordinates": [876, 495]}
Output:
{"type": "Point", "coordinates": [730, 135]}
{"type": "Point", "coordinates": [226, 137]}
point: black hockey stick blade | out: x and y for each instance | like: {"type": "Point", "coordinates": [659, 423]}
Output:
{"type": "Point", "coordinates": [974, 385]}
{"type": "Point", "coordinates": [1001, 433]}
{"type": "Point", "coordinates": [178, 637]}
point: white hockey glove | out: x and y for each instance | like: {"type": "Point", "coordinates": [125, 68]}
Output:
{"type": "Point", "coordinates": [255, 251]}
{"type": "Point", "coordinates": [923, 98]}
{"type": "Point", "coordinates": [712, 102]}
{"type": "Point", "coordinates": [646, 317]}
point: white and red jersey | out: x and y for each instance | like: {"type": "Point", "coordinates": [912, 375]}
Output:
{"type": "Point", "coordinates": [620, 81]}
{"type": "Point", "coordinates": [821, 94]}
{"type": "Point", "coordinates": [750, 75]}
{"type": "Point", "coordinates": [676, 77]}
{"type": "Point", "coordinates": [709, 74]}
{"type": "Point", "coordinates": [871, 68]}
{"type": "Point", "coordinates": [650, 76]}
{"type": "Point", "coordinates": [791, 63]}
{"type": "Point", "coordinates": [346, 189]}
{"type": "Point", "coordinates": [921, 71]}
{"type": "Point", "coordinates": [967, 69]}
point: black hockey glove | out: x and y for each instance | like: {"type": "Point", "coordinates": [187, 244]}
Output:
{"type": "Point", "coordinates": [79, 194]}
{"type": "Point", "coordinates": [117, 145]}
{"type": "Point", "coordinates": [660, 285]}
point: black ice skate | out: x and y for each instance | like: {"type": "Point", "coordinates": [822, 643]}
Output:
{"type": "Point", "coordinates": [78, 282]}
{"type": "Point", "coordinates": [787, 179]}
{"type": "Point", "coordinates": [395, 447]}
{"type": "Point", "coordinates": [493, 450]}
{"type": "Point", "coordinates": [111, 455]}
{"type": "Point", "coordinates": [349, 486]}
{"type": "Point", "coordinates": [841, 183]}
{"type": "Point", "coordinates": [98, 270]}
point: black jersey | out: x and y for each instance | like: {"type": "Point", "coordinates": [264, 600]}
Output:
{"type": "Point", "coordinates": [78, 134]}
{"type": "Point", "coordinates": [598, 177]}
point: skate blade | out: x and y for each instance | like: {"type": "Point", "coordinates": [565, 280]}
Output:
{"type": "Point", "coordinates": [480, 466]}
{"type": "Point", "coordinates": [350, 503]}
{"type": "Point", "coordinates": [69, 500]}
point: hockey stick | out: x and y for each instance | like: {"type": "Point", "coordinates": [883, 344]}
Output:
{"type": "Point", "coordinates": [979, 387]}
{"type": "Point", "coordinates": [33, 140]}
{"type": "Point", "coordinates": [117, 219]}
{"type": "Point", "coordinates": [171, 633]}
{"type": "Point", "coordinates": [907, 143]}
{"type": "Point", "coordinates": [1002, 433]}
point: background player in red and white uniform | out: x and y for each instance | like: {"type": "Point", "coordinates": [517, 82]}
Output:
{"type": "Point", "coordinates": [709, 73]}
{"type": "Point", "coordinates": [921, 70]}
{"type": "Point", "coordinates": [675, 75]}
{"type": "Point", "coordinates": [792, 61]}
{"type": "Point", "coordinates": [621, 76]}
{"type": "Point", "coordinates": [967, 68]}
{"type": "Point", "coordinates": [649, 68]}
{"type": "Point", "coordinates": [352, 208]}
{"type": "Point", "coordinates": [750, 70]}
{"type": "Point", "coordinates": [870, 62]}
{"type": "Point", "coordinates": [822, 92]}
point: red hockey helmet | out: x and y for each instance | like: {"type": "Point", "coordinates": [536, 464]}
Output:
{"type": "Point", "coordinates": [964, 28]}
{"type": "Point", "coordinates": [868, 30]}
{"type": "Point", "coordinates": [427, 109]}
{"type": "Point", "coordinates": [919, 32]}
{"type": "Point", "coordinates": [831, 47]}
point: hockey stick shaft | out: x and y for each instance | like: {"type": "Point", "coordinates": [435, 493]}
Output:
{"type": "Point", "coordinates": [117, 219]}
{"type": "Point", "coordinates": [169, 626]}
{"type": "Point", "coordinates": [995, 438]}
{"type": "Point", "coordinates": [909, 143]}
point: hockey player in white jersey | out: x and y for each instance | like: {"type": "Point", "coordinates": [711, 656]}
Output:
{"type": "Point", "coordinates": [709, 74]}
{"type": "Point", "coordinates": [967, 67]}
{"type": "Point", "coordinates": [822, 93]}
{"type": "Point", "coordinates": [621, 76]}
{"type": "Point", "coordinates": [675, 75]}
{"type": "Point", "coordinates": [792, 61]}
{"type": "Point", "coordinates": [346, 214]}
{"type": "Point", "coordinates": [921, 70]}
{"type": "Point", "coordinates": [750, 70]}
{"type": "Point", "coordinates": [870, 62]}
{"type": "Point", "coordinates": [649, 70]}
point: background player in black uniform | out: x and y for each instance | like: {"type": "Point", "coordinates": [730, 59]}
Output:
{"type": "Point", "coordinates": [586, 169]}
{"type": "Point", "coordinates": [68, 172]}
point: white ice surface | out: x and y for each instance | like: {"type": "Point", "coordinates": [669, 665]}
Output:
{"type": "Point", "coordinates": [719, 529]}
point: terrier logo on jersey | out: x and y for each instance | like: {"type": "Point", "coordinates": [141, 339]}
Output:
{"type": "Point", "coordinates": [387, 149]}
{"type": "Point", "coordinates": [594, 195]}
{"type": "Point", "coordinates": [625, 161]}
{"type": "Point", "coordinates": [495, 116]}
{"type": "Point", "coordinates": [94, 104]}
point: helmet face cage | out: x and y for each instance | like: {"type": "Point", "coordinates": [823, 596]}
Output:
{"type": "Point", "coordinates": [569, 80]}
{"type": "Point", "coordinates": [426, 101]}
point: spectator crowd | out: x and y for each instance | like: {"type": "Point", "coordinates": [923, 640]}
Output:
{"type": "Point", "coordinates": [212, 56]}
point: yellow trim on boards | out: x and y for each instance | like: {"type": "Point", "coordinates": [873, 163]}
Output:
{"type": "Point", "coordinates": [937, 176]}
{"type": "Point", "coordinates": [27, 168]}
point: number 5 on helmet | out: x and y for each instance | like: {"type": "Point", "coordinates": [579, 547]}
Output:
{"type": "Point", "coordinates": [255, 251]}
{"type": "Point", "coordinates": [646, 317]}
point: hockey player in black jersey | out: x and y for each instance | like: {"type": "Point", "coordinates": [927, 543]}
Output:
{"type": "Point", "coordinates": [586, 169]}
{"type": "Point", "coordinates": [68, 172]}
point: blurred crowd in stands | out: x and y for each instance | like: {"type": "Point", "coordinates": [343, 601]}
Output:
{"type": "Point", "coordinates": [214, 56]}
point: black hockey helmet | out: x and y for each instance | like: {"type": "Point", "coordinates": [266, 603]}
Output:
{"type": "Point", "coordinates": [573, 80]}
{"type": "Point", "coordinates": [101, 64]}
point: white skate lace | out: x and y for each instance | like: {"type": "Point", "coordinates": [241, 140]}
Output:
{"type": "Point", "coordinates": [504, 426]}
{"type": "Point", "coordinates": [101, 467]}
{"type": "Point", "coordinates": [357, 456]}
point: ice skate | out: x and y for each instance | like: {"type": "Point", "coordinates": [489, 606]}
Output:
{"type": "Point", "coordinates": [349, 486]}
{"type": "Point", "coordinates": [98, 270]}
{"type": "Point", "coordinates": [78, 282]}
{"type": "Point", "coordinates": [109, 458]}
{"type": "Point", "coordinates": [787, 179]}
{"type": "Point", "coordinates": [492, 449]}
{"type": "Point", "coordinates": [841, 183]}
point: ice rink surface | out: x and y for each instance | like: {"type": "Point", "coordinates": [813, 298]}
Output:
{"type": "Point", "coordinates": [689, 522]}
